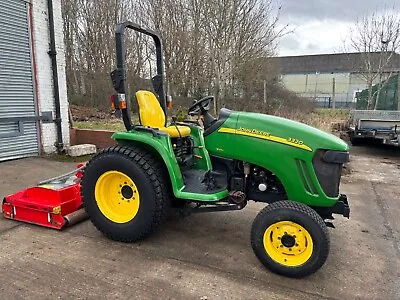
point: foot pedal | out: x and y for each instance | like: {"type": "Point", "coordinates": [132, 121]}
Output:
{"type": "Point", "coordinates": [209, 180]}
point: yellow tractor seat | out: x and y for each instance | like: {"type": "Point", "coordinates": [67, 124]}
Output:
{"type": "Point", "coordinates": [174, 131]}
{"type": "Point", "coordinates": [152, 115]}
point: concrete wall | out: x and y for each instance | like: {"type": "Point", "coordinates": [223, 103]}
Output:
{"type": "Point", "coordinates": [44, 71]}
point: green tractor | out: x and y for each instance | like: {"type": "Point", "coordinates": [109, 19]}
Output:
{"type": "Point", "coordinates": [129, 189]}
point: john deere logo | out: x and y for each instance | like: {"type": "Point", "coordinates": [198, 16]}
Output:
{"type": "Point", "coordinates": [267, 136]}
{"type": "Point", "coordinates": [254, 131]}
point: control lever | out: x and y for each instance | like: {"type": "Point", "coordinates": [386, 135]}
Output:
{"type": "Point", "coordinates": [176, 126]}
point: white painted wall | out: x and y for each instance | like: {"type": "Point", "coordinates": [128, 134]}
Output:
{"type": "Point", "coordinates": [41, 36]}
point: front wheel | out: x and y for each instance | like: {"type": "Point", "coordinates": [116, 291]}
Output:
{"type": "Point", "coordinates": [290, 239]}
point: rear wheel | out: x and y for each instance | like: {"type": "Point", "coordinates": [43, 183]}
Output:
{"type": "Point", "coordinates": [125, 193]}
{"type": "Point", "coordinates": [289, 238]}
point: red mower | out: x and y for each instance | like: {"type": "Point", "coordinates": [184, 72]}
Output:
{"type": "Point", "coordinates": [54, 203]}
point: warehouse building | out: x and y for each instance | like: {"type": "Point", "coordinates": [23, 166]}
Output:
{"type": "Point", "coordinates": [326, 76]}
{"type": "Point", "coordinates": [33, 95]}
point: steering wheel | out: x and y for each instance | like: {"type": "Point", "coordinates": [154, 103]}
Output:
{"type": "Point", "coordinates": [201, 107]}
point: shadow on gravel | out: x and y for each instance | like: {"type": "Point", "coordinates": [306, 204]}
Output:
{"type": "Point", "coordinates": [376, 150]}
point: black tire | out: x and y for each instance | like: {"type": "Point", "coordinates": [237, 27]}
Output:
{"type": "Point", "coordinates": [299, 214]}
{"type": "Point", "coordinates": [355, 141]}
{"type": "Point", "coordinates": [150, 177]}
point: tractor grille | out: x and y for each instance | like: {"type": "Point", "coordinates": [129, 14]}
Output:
{"type": "Point", "coordinates": [328, 174]}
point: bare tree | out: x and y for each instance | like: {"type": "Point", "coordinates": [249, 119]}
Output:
{"type": "Point", "coordinates": [377, 37]}
{"type": "Point", "coordinates": [210, 47]}
{"type": "Point", "coordinates": [89, 35]}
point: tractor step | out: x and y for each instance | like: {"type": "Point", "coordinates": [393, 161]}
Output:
{"type": "Point", "coordinates": [204, 182]}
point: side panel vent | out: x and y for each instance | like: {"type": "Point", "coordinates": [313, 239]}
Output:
{"type": "Point", "coordinates": [305, 177]}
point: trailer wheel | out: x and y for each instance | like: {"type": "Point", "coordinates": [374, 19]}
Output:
{"type": "Point", "coordinates": [125, 193]}
{"type": "Point", "coordinates": [290, 239]}
{"type": "Point", "coordinates": [354, 140]}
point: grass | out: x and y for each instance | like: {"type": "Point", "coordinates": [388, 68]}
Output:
{"type": "Point", "coordinates": [323, 118]}
{"type": "Point", "coordinates": [116, 125]}
{"type": "Point", "coordinates": [332, 113]}
{"type": "Point", "coordinates": [113, 124]}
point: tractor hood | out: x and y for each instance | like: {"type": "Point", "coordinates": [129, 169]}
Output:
{"type": "Point", "coordinates": [296, 153]}
{"type": "Point", "coordinates": [267, 133]}
{"type": "Point", "coordinates": [288, 132]}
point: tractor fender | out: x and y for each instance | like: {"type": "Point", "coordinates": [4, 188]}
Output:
{"type": "Point", "coordinates": [159, 146]}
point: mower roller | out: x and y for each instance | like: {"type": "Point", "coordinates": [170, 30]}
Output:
{"type": "Point", "coordinates": [54, 203]}
{"type": "Point", "coordinates": [216, 164]}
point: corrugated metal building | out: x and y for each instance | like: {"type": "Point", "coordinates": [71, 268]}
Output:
{"type": "Point", "coordinates": [316, 76]}
{"type": "Point", "coordinates": [28, 109]}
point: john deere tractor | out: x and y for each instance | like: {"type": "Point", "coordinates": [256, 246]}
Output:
{"type": "Point", "coordinates": [209, 164]}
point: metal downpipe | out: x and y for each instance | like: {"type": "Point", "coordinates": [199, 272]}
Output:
{"type": "Point", "coordinates": [53, 55]}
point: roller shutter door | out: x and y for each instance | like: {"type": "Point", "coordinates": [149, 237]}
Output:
{"type": "Point", "coordinates": [18, 124]}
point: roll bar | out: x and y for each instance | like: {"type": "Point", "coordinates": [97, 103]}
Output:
{"type": "Point", "coordinates": [118, 76]}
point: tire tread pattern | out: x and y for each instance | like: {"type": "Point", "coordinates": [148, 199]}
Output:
{"type": "Point", "coordinates": [157, 173]}
{"type": "Point", "coordinates": [296, 207]}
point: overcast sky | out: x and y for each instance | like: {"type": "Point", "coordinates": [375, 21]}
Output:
{"type": "Point", "coordinates": [320, 26]}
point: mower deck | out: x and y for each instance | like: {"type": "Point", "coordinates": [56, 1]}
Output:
{"type": "Point", "coordinates": [55, 204]}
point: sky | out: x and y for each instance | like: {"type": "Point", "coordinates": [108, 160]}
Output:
{"type": "Point", "coordinates": [321, 26]}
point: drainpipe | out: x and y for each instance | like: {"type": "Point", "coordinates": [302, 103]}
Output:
{"type": "Point", "coordinates": [53, 56]}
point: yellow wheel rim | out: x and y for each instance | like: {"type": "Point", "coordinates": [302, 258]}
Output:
{"type": "Point", "coordinates": [117, 196]}
{"type": "Point", "coordinates": [288, 243]}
